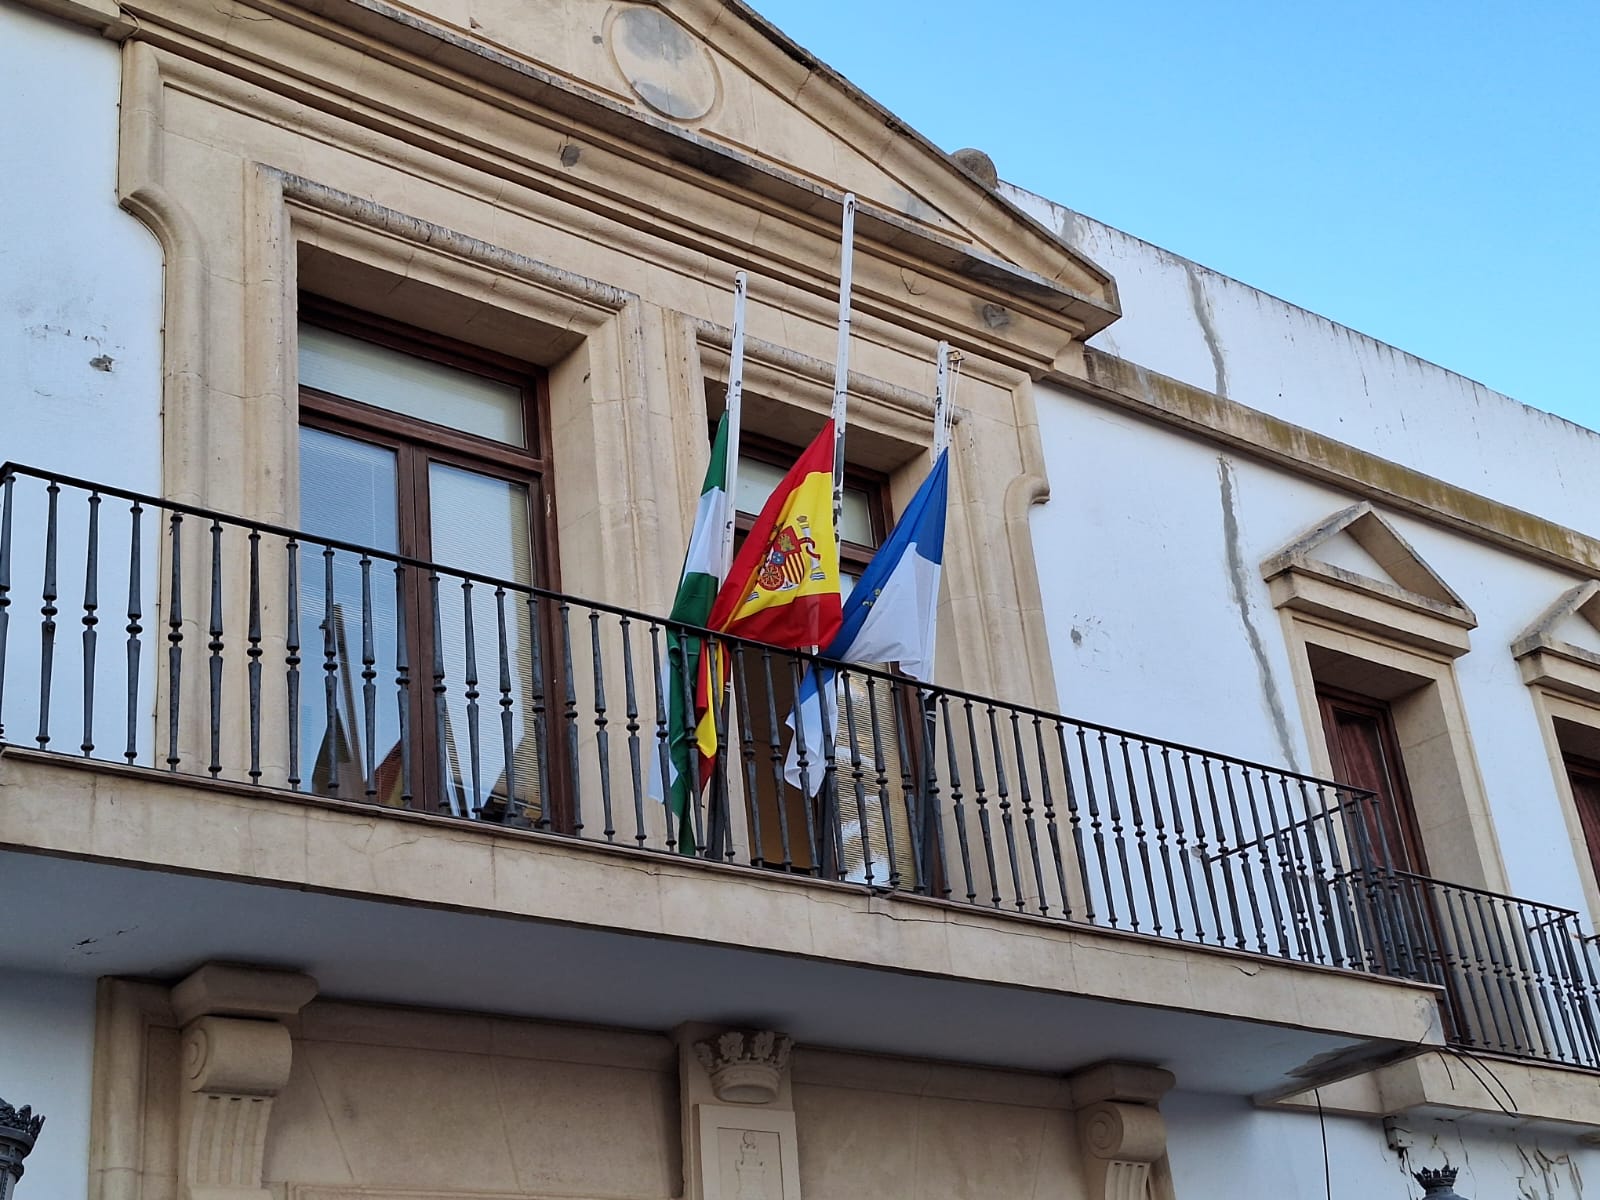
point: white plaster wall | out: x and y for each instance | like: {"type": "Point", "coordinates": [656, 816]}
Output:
{"type": "Point", "coordinates": [1186, 321]}
{"type": "Point", "coordinates": [80, 280]}
{"type": "Point", "coordinates": [46, 1060]}
{"type": "Point", "coordinates": [80, 362]}
{"type": "Point", "coordinates": [1223, 1146]}
{"type": "Point", "coordinates": [1150, 552]}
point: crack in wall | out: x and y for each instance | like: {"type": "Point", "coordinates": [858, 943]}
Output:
{"type": "Point", "coordinates": [1201, 303]}
{"type": "Point", "coordinates": [1238, 586]}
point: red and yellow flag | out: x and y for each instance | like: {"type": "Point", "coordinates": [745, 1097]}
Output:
{"type": "Point", "coordinates": [783, 587]}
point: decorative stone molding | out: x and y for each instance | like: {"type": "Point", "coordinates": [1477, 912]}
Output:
{"type": "Point", "coordinates": [745, 1068]}
{"type": "Point", "coordinates": [1121, 1131]}
{"type": "Point", "coordinates": [231, 1069]}
{"type": "Point", "coordinates": [739, 1135]}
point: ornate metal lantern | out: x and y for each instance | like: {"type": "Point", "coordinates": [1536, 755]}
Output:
{"type": "Point", "coordinates": [1438, 1183]}
{"type": "Point", "coordinates": [19, 1129]}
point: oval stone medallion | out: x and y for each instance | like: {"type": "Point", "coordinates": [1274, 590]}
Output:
{"type": "Point", "coordinates": [665, 65]}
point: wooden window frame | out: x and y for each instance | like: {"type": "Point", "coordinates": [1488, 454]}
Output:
{"type": "Point", "coordinates": [416, 444]}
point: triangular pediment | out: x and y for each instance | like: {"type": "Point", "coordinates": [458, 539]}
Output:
{"type": "Point", "coordinates": [1358, 550]}
{"type": "Point", "coordinates": [712, 83]}
{"type": "Point", "coordinates": [1569, 627]}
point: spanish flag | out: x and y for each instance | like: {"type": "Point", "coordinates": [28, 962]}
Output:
{"type": "Point", "coordinates": [783, 587]}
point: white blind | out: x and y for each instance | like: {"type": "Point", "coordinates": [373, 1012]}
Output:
{"type": "Point", "coordinates": [414, 387]}
{"type": "Point", "coordinates": [757, 480]}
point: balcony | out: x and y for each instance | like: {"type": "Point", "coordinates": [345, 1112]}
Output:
{"type": "Point", "coordinates": [169, 646]}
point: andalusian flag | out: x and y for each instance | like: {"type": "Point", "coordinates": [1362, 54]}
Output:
{"type": "Point", "coordinates": [697, 590]}
{"type": "Point", "coordinates": [783, 587]}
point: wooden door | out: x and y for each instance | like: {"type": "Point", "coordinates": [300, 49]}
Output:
{"type": "Point", "coordinates": [1366, 754]}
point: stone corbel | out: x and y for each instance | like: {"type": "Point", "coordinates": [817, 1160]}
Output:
{"type": "Point", "coordinates": [235, 1060]}
{"type": "Point", "coordinates": [1121, 1131]}
{"type": "Point", "coordinates": [738, 1119]}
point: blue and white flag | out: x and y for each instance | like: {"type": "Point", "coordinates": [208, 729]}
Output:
{"type": "Point", "coordinates": [890, 616]}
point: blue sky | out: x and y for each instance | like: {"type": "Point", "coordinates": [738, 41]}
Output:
{"type": "Point", "coordinates": [1425, 171]}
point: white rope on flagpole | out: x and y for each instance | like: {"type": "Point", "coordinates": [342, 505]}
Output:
{"type": "Point", "coordinates": [944, 396]}
{"type": "Point", "coordinates": [841, 362]}
{"type": "Point", "coordinates": [735, 406]}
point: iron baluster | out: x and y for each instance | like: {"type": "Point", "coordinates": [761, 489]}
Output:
{"type": "Point", "coordinates": [1007, 822]}
{"type": "Point", "coordinates": [1262, 838]}
{"type": "Point", "coordinates": [333, 747]}
{"type": "Point", "coordinates": [1163, 850]}
{"type": "Point", "coordinates": [402, 680]}
{"type": "Point", "coordinates": [635, 760]}
{"type": "Point", "coordinates": [253, 655]}
{"type": "Point", "coordinates": [447, 783]}
{"type": "Point", "coordinates": [508, 733]}
{"type": "Point", "coordinates": [134, 629]}
{"type": "Point", "coordinates": [1180, 844]}
{"type": "Point", "coordinates": [47, 613]}
{"type": "Point", "coordinates": [291, 658]}
{"type": "Point", "coordinates": [981, 799]}
{"type": "Point", "coordinates": [91, 601]}
{"type": "Point", "coordinates": [369, 682]}
{"type": "Point", "coordinates": [602, 736]}
{"type": "Point", "coordinates": [570, 715]}
{"type": "Point", "coordinates": [1141, 845]}
{"type": "Point", "coordinates": [214, 767]}
{"type": "Point", "coordinates": [536, 631]}
{"type": "Point", "coordinates": [956, 806]}
{"type": "Point", "coordinates": [663, 734]}
{"type": "Point", "coordinates": [474, 805]}
{"type": "Point", "coordinates": [1051, 824]}
{"type": "Point", "coordinates": [174, 640]}
{"type": "Point", "coordinates": [1243, 844]}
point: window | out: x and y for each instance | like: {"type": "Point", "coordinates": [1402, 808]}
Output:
{"type": "Point", "coordinates": [426, 450]}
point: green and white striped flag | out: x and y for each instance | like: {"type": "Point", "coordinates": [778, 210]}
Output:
{"type": "Point", "coordinates": [703, 568]}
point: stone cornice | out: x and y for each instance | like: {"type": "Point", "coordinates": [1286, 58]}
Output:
{"type": "Point", "coordinates": [1277, 442]}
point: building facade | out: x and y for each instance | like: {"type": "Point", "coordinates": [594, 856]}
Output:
{"type": "Point", "coordinates": [359, 362]}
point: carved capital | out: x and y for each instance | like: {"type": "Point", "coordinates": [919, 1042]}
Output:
{"type": "Point", "coordinates": [745, 1067]}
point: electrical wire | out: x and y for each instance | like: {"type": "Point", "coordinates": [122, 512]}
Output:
{"type": "Point", "coordinates": [1322, 1123]}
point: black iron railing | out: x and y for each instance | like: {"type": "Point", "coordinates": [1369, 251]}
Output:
{"type": "Point", "coordinates": [254, 653]}
{"type": "Point", "coordinates": [1519, 977]}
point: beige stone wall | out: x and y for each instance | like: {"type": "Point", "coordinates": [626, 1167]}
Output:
{"type": "Point", "coordinates": [889, 1127]}
{"type": "Point", "coordinates": [389, 1102]}
{"type": "Point", "coordinates": [382, 1100]}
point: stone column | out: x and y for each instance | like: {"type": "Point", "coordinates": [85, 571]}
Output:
{"type": "Point", "coordinates": [739, 1137]}
{"type": "Point", "coordinates": [235, 1060]}
{"type": "Point", "coordinates": [1120, 1130]}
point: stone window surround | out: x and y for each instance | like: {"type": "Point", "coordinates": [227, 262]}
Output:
{"type": "Point", "coordinates": [1564, 685]}
{"type": "Point", "coordinates": [623, 372]}
{"type": "Point", "coordinates": [1397, 645]}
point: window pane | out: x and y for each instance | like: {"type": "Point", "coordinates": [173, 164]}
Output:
{"type": "Point", "coordinates": [414, 387]}
{"type": "Point", "coordinates": [757, 480]}
{"type": "Point", "coordinates": [349, 742]}
{"type": "Point", "coordinates": [481, 525]}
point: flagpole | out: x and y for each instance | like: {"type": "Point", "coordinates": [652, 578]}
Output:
{"type": "Point", "coordinates": [941, 400]}
{"type": "Point", "coordinates": [735, 406]}
{"type": "Point", "coordinates": [841, 361]}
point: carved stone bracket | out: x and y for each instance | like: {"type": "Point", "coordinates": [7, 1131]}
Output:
{"type": "Point", "coordinates": [233, 1066]}
{"type": "Point", "coordinates": [745, 1068]}
{"type": "Point", "coordinates": [1121, 1131]}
